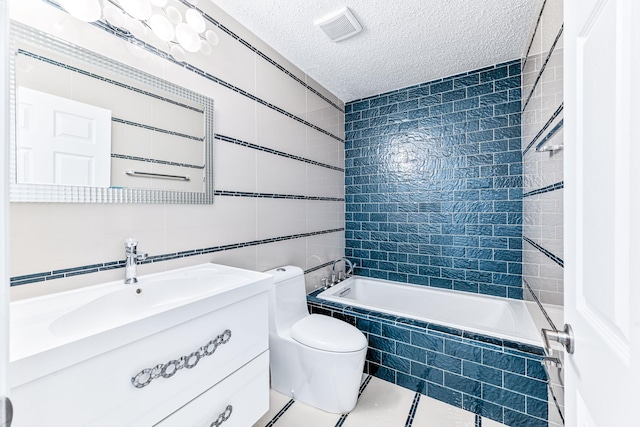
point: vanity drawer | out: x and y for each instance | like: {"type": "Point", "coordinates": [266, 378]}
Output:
{"type": "Point", "coordinates": [99, 392]}
{"type": "Point", "coordinates": [242, 397]}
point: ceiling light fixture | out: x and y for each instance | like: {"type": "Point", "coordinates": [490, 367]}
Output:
{"type": "Point", "coordinates": [138, 16]}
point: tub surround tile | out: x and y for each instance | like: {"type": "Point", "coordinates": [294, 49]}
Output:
{"type": "Point", "coordinates": [481, 374]}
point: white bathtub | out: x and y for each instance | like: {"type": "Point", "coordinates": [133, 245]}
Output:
{"type": "Point", "coordinates": [497, 317]}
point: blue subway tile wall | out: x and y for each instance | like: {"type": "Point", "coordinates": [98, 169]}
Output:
{"type": "Point", "coordinates": [494, 378]}
{"type": "Point", "coordinates": [433, 183]}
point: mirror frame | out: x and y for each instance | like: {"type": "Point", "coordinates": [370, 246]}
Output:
{"type": "Point", "coordinates": [21, 192]}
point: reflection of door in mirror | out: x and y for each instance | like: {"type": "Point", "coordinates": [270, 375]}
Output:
{"type": "Point", "coordinates": [62, 141]}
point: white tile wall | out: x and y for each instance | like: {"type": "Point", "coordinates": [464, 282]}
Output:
{"type": "Point", "coordinates": [45, 237]}
{"type": "Point", "coordinates": [543, 215]}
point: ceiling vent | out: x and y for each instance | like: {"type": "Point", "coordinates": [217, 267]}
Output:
{"type": "Point", "coordinates": [339, 25]}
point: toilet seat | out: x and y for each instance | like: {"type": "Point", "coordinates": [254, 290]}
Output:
{"type": "Point", "coordinates": [328, 334]}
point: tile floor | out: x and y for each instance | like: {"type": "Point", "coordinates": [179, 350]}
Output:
{"type": "Point", "coordinates": [381, 404]}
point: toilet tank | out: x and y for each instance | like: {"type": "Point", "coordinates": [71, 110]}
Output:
{"type": "Point", "coordinates": [287, 298]}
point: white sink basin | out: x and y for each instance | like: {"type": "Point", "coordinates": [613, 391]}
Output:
{"type": "Point", "coordinates": [97, 317]}
{"type": "Point", "coordinates": [139, 300]}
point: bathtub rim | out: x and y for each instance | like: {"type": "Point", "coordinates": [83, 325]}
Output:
{"type": "Point", "coordinates": [522, 344]}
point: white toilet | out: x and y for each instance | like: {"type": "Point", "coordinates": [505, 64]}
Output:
{"type": "Point", "coordinates": [315, 359]}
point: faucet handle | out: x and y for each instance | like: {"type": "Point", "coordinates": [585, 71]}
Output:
{"type": "Point", "coordinates": [141, 256]}
{"type": "Point", "coordinates": [130, 242]}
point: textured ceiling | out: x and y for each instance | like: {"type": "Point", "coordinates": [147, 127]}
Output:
{"type": "Point", "coordinates": [403, 43]}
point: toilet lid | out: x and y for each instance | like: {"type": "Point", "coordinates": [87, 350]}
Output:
{"type": "Point", "coordinates": [328, 334]}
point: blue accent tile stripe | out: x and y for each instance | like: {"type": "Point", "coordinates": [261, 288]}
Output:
{"type": "Point", "coordinates": [87, 269]}
{"type": "Point", "coordinates": [161, 162]}
{"type": "Point", "coordinates": [540, 306]}
{"type": "Point", "coordinates": [106, 80]}
{"type": "Point", "coordinates": [156, 129]}
{"type": "Point", "coordinates": [162, 54]}
{"type": "Point", "coordinates": [550, 255]}
{"type": "Point", "coordinates": [280, 413]}
{"type": "Point", "coordinates": [276, 152]}
{"type": "Point", "coordinates": [544, 65]}
{"type": "Point", "coordinates": [276, 196]}
{"type": "Point", "coordinates": [533, 36]}
{"type": "Point", "coordinates": [412, 410]}
{"type": "Point", "coordinates": [547, 189]}
{"type": "Point", "coordinates": [318, 267]}
{"type": "Point", "coordinates": [544, 128]}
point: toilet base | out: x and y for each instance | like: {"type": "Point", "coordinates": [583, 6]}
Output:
{"type": "Point", "coordinates": [325, 380]}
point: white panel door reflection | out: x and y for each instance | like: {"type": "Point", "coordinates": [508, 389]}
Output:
{"type": "Point", "coordinates": [61, 141]}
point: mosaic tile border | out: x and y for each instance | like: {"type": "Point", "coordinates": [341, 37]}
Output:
{"type": "Point", "coordinates": [280, 413]}
{"type": "Point", "coordinates": [547, 189]}
{"type": "Point", "coordinates": [533, 36]}
{"type": "Point", "coordinates": [544, 128]}
{"type": "Point", "coordinates": [95, 268]}
{"type": "Point", "coordinates": [156, 129]}
{"type": "Point", "coordinates": [147, 160]}
{"type": "Point", "coordinates": [106, 80]}
{"type": "Point", "coordinates": [276, 152]}
{"type": "Point", "coordinates": [261, 54]}
{"type": "Point", "coordinates": [318, 267]}
{"type": "Point", "coordinates": [160, 53]}
{"type": "Point", "coordinates": [412, 410]}
{"type": "Point", "coordinates": [540, 306]}
{"type": "Point", "coordinates": [276, 196]}
{"type": "Point", "coordinates": [544, 65]}
{"type": "Point", "coordinates": [550, 255]}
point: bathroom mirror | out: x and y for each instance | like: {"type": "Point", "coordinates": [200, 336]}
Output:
{"type": "Point", "coordinates": [85, 128]}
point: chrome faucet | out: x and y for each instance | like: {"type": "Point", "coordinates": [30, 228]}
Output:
{"type": "Point", "coordinates": [132, 258]}
{"type": "Point", "coordinates": [348, 273]}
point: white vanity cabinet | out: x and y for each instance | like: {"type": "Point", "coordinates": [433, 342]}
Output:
{"type": "Point", "coordinates": [229, 386]}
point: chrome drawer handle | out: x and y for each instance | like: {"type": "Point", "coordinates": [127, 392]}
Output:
{"type": "Point", "coordinates": [224, 416]}
{"type": "Point", "coordinates": [167, 370]}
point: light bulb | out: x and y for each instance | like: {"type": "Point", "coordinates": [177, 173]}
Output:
{"type": "Point", "coordinates": [136, 27]}
{"type": "Point", "coordinates": [139, 9]}
{"type": "Point", "coordinates": [113, 15]}
{"type": "Point", "coordinates": [161, 27]}
{"type": "Point", "coordinates": [212, 37]}
{"type": "Point", "coordinates": [177, 53]}
{"type": "Point", "coordinates": [174, 15]}
{"type": "Point", "coordinates": [85, 10]}
{"type": "Point", "coordinates": [195, 20]}
{"type": "Point", "coordinates": [205, 47]}
{"type": "Point", "coordinates": [187, 37]}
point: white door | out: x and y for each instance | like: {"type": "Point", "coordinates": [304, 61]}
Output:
{"type": "Point", "coordinates": [602, 211]}
{"type": "Point", "coordinates": [62, 141]}
{"type": "Point", "coordinates": [4, 216]}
